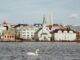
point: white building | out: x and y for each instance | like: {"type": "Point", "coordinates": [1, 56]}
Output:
{"type": "Point", "coordinates": [44, 35]}
{"type": "Point", "coordinates": [68, 36]}
{"type": "Point", "coordinates": [27, 32]}
{"type": "Point", "coordinates": [58, 36]}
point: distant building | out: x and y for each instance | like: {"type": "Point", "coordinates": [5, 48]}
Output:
{"type": "Point", "coordinates": [78, 35]}
{"type": "Point", "coordinates": [38, 25]}
{"type": "Point", "coordinates": [18, 28]}
{"type": "Point", "coordinates": [56, 27]}
{"type": "Point", "coordinates": [75, 28]}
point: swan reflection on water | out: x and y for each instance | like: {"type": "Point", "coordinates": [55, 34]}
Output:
{"type": "Point", "coordinates": [33, 53]}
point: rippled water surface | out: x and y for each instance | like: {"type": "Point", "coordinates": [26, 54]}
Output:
{"type": "Point", "coordinates": [47, 51]}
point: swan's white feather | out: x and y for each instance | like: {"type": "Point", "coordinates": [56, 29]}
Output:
{"type": "Point", "coordinates": [31, 53]}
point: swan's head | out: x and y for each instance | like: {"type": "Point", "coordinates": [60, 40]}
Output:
{"type": "Point", "coordinates": [37, 50]}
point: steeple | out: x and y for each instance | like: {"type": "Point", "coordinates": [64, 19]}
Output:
{"type": "Point", "coordinates": [4, 23]}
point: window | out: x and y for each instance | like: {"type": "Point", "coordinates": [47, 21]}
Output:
{"type": "Point", "coordinates": [27, 35]}
{"type": "Point", "coordinates": [5, 36]}
{"type": "Point", "coordinates": [12, 36]}
{"type": "Point", "coordinates": [44, 33]}
{"type": "Point", "coordinates": [27, 32]}
{"type": "Point", "coordinates": [32, 35]}
{"type": "Point", "coordinates": [23, 33]}
{"type": "Point", "coordinates": [24, 30]}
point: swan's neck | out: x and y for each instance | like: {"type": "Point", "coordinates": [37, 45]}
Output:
{"type": "Point", "coordinates": [36, 51]}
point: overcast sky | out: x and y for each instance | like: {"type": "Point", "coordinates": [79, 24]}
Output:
{"type": "Point", "coordinates": [31, 11]}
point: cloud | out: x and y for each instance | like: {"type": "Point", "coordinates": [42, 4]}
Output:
{"type": "Point", "coordinates": [74, 16]}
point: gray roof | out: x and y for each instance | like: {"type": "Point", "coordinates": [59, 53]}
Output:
{"type": "Point", "coordinates": [38, 30]}
{"type": "Point", "coordinates": [75, 28]}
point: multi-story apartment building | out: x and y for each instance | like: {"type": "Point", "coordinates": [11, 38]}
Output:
{"type": "Point", "coordinates": [27, 32]}
{"type": "Point", "coordinates": [65, 36]}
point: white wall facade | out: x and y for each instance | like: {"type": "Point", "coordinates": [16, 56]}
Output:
{"type": "Point", "coordinates": [44, 35]}
{"type": "Point", "coordinates": [27, 33]}
{"type": "Point", "coordinates": [68, 36]}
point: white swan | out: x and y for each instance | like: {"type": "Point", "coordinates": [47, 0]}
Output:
{"type": "Point", "coordinates": [32, 53]}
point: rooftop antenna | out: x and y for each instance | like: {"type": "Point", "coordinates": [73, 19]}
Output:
{"type": "Point", "coordinates": [44, 21]}
{"type": "Point", "coordinates": [50, 18]}
{"type": "Point", "coordinates": [50, 22]}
